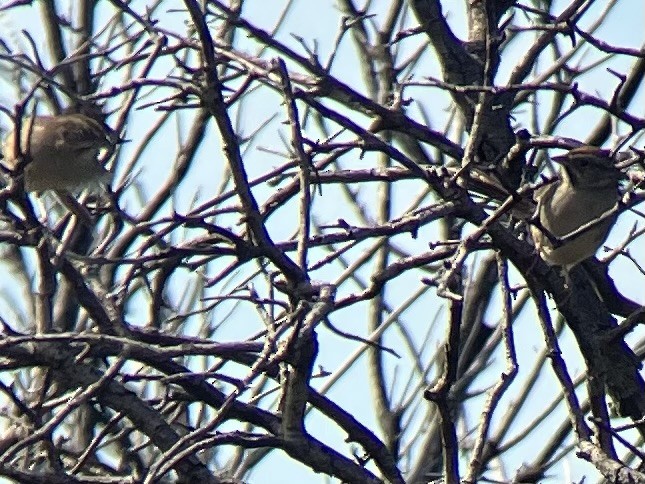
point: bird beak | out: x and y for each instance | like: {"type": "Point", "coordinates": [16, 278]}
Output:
{"type": "Point", "coordinates": [114, 138]}
{"type": "Point", "coordinates": [560, 158]}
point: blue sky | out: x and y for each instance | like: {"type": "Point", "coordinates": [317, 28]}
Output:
{"type": "Point", "coordinates": [318, 21]}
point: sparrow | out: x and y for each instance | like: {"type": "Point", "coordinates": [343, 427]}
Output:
{"type": "Point", "coordinates": [586, 192]}
{"type": "Point", "coordinates": [61, 152]}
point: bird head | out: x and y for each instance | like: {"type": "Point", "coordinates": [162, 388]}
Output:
{"type": "Point", "coordinates": [589, 167]}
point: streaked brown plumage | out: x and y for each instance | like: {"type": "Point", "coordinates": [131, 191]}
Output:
{"type": "Point", "coordinates": [61, 152]}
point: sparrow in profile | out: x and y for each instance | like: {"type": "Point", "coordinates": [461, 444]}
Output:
{"type": "Point", "coordinates": [586, 193]}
